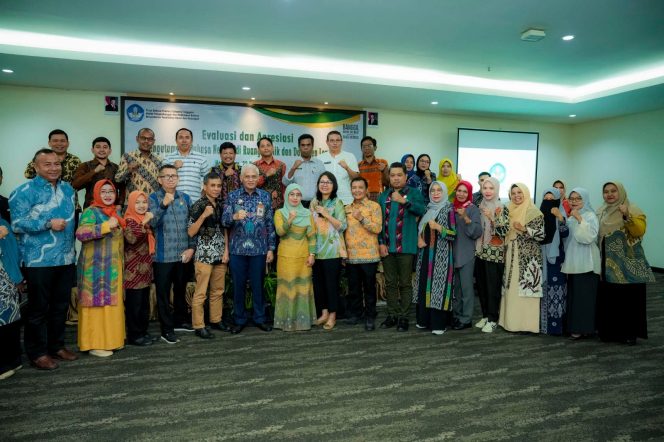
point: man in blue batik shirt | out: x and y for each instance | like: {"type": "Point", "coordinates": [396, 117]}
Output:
{"type": "Point", "coordinates": [43, 218]}
{"type": "Point", "coordinates": [252, 240]}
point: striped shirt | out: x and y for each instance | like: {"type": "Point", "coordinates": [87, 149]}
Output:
{"type": "Point", "coordinates": [194, 168]}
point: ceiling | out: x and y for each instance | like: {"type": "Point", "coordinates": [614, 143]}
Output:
{"type": "Point", "coordinates": [373, 54]}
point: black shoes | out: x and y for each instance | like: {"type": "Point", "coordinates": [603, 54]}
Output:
{"type": "Point", "coordinates": [143, 341]}
{"type": "Point", "coordinates": [236, 329]}
{"type": "Point", "coordinates": [219, 326]}
{"type": "Point", "coordinates": [403, 325]}
{"type": "Point", "coordinates": [389, 322]}
{"type": "Point", "coordinates": [185, 327]}
{"type": "Point", "coordinates": [204, 333]}
{"type": "Point", "coordinates": [369, 325]}
{"type": "Point", "coordinates": [460, 326]}
{"type": "Point", "coordinates": [170, 338]}
{"type": "Point", "coordinates": [264, 327]}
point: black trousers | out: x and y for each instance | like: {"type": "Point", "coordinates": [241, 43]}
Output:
{"type": "Point", "coordinates": [326, 284]}
{"type": "Point", "coordinates": [361, 301]}
{"type": "Point", "coordinates": [489, 287]}
{"type": "Point", "coordinates": [10, 346]}
{"type": "Point", "coordinates": [137, 312]}
{"type": "Point", "coordinates": [49, 290]}
{"type": "Point", "coordinates": [167, 275]}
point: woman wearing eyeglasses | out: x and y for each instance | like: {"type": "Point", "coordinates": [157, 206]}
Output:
{"type": "Point", "coordinates": [330, 218]}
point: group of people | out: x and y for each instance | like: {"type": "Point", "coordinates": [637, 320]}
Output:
{"type": "Point", "coordinates": [558, 269]}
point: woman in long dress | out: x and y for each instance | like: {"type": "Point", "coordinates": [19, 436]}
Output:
{"type": "Point", "coordinates": [434, 272]}
{"type": "Point", "coordinates": [582, 265]}
{"type": "Point", "coordinates": [490, 254]}
{"type": "Point", "coordinates": [330, 220]}
{"type": "Point", "coordinates": [522, 280]}
{"type": "Point", "coordinates": [621, 301]}
{"type": "Point", "coordinates": [554, 290]}
{"type": "Point", "coordinates": [294, 307]}
{"type": "Point", "coordinates": [101, 325]}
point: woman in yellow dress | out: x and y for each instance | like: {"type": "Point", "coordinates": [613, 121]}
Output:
{"type": "Point", "coordinates": [294, 307]}
{"type": "Point", "coordinates": [101, 325]}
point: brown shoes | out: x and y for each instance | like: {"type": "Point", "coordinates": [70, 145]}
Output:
{"type": "Point", "coordinates": [65, 355]}
{"type": "Point", "coordinates": [44, 363]}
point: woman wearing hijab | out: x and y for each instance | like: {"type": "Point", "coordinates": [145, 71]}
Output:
{"type": "Point", "coordinates": [554, 299]}
{"type": "Point", "coordinates": [423, 176]}
{"type": "Point", "coordinates": [490, 253]}
{"type": "Point", "coordinates": [138, 251]}
{"type": "Point", "coordinates": [621, 301]}
{"type": "Point", "coordinates": [582, 265]}
{"type": "Point", "coordinates": [408, 160]}
{"type": "Point", "coordinates": [565, 203]}
{"type": "Point", "coordinates": [10, 315]}
{"type": "Point", "coordinates": [522, 280]}
{"type": "Point", "coordinates": [330, 221]}
{"type": "Point", "coordinates": [469, 228]}
{"type": "Point", "coordinates": [294, 307]}
{"type": "Point", "coordinates": [101, 322]}
{"type": "Point", "coordinates": [447, 176]}
{"type": "Point", "coordinates": [434, 272]}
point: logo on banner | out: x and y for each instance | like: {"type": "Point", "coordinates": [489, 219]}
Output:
{"type": "Point", "coordinates": [135, 113]}
{"type": "Point", "coordinates": [498, 171]}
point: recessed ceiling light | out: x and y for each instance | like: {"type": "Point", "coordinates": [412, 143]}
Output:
{"type": "Point", "coordinates": [7, 71]}
{"type": "Point", "coordinates": [326, 103]}
{"type": "Point", "coordinates": [253, 98]}
{"type": "Point", "coordinates": [171, 93]}
{"type": "Point", "coordinates": [568, 37]}
{"type": "Point", "coordinates": [434, 103]}
{"type": "Point", "coordinates": [572, 115]}
{"type": "Point", "coordinates": [246, 88]}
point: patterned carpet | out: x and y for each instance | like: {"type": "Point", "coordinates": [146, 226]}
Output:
{"type": "Point", "coordinates": [349, 384]}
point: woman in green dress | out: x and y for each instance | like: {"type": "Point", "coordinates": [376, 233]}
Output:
{"type": "Point", "coordinates": [295, 308]}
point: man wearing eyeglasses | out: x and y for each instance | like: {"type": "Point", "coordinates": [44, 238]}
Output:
{"type": "Point", "coordinates": [139, 169]}
{"type": "Point", "coordinates": [174, 249]}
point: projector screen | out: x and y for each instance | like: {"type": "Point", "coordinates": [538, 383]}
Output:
{"type": "Point", "coordinates": [510, 157]}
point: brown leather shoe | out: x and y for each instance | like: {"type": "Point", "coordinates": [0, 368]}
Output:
{"type": "Point", "coordinates": [65, 355]}
{"type": "Point", "coordinates": [44, 363]}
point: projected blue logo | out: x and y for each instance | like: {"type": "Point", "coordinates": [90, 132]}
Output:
{"type": "Point", "coordinates": [135, 113]}
{"type": "Point", "coordinates": [498, 171]}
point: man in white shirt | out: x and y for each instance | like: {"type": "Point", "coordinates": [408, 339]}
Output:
{"type": "Point", "coordinates": [342, 164]}
{"type": "Point", "coordinates": [191, 165]}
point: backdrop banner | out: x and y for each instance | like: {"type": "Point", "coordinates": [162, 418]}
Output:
{"type": "Point", "coordinates": [214, 123]}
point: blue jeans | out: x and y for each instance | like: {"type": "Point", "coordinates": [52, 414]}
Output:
{"type": "Point", "coordinates": [253, 269]}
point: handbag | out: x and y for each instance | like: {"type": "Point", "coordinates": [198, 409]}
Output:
{"type": "Point", "coordinates": [625, 260]}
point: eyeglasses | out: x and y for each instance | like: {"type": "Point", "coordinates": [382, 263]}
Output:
{"type": "Point", "coordinates": [575, 199]}
{"type": "Point", "coordinates": [325, 183]}
{"type": "Point", "coordinates": [425, 161]}
{"type": "Point", "coordinates": [168, 177]}
{"type": "Point", "coordinates": [146, 138]}
{"type": "Point", "coordinates": [107, 192]}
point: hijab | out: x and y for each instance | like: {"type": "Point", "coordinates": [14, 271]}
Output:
{"type": "Point", "coordinates": [301, 214]}
{"type": "Point", "coordinates": [490, 205]}
{"type": "Point", "coordinates": [420, 173]}
{"type": "Point", "coordinates": [585, 196]}
{"type": "Point", "coordinates": [469, 187]}
{"type": "Point", "coordinates": [132, 214]}
{"type": "Point", "coordinates": [450, 181]}
{"type": "Point", "coordinates": [551, 242]}
{"type": "Point", "coordinates": [433, 208]}
{"type": "Point", "coordinates": [109, 211]}
{"type": "Point", "coordinates": [409, 173]}
{"type": "Point", "coordinates": [522, 213]}
{"type": "Point", "coordinates": [610, 217]}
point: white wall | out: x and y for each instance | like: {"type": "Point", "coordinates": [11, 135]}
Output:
{"type": "Point", "coordinates": [629, 149]}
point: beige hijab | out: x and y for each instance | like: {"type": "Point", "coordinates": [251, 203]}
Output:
{"type": "Point", "coordinates": [523, 213]}
{"type": "Point", "coordinates": [610, 217]}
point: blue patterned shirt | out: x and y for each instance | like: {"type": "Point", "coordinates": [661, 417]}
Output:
{"type": "Point", "coordinates": [255, 234]}
{"type": "Point", "coordinates": [32, 206]}
{"type": "Point", "coordinates": [170, 226]}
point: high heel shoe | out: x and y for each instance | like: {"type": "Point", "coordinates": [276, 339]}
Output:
{"type": "Point", "coordinates": [329, 325]}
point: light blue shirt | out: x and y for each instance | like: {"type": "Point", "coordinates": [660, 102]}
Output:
{"type": "Point", "coordinates": [194, 168]}
{"type": "Point", "coordinates": [306, 176]}
{"type": "Point", "coordinates": [33, 205]}
{"type": "Point", "coordinates": [581, 251]}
